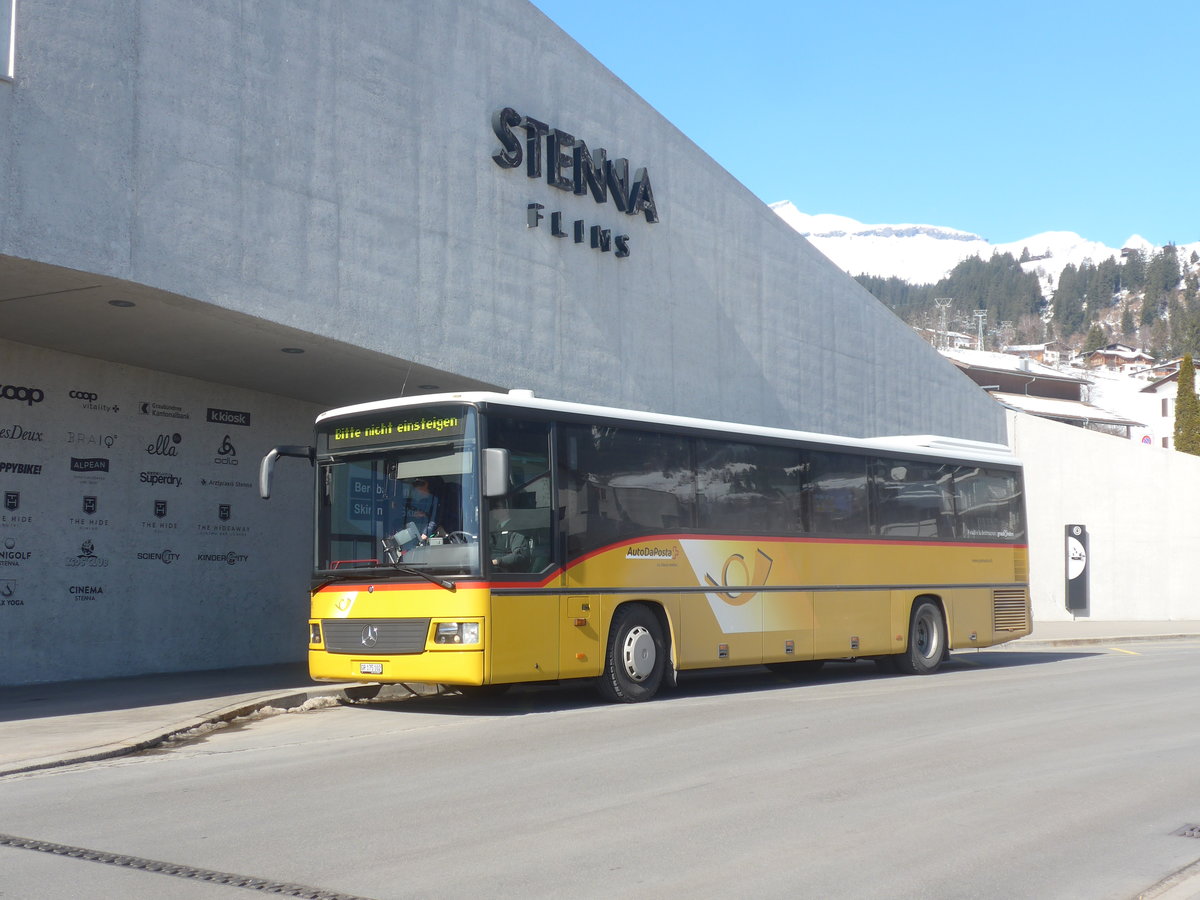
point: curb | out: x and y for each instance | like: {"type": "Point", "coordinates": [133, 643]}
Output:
{"type": "Point", "coordinates": [1091, 641]}
{"type": "Point", "coordinates": [285, 700]}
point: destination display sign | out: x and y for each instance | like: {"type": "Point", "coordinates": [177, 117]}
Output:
{"type": "Point", "coordinates": [390, 427]}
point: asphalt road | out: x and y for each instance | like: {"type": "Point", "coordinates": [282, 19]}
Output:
{"type": "Point", "coordinates": [1013, 773]}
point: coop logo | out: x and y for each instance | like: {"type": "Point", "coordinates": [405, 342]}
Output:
{"type": "Point", "coordinates": [90, 464]}
{"type": "Point", "coordinates": [226, 454]}
{"type": "Point", "coordinates": [160, 478]}
{"type": "Point", "coordinates": [166, 557]}
{"type": "Point", "coordinates": [91, 400]}
{"type": "Point", "coordinates": [165, 445]}
{"type": "Point", "coordinates": [22, 394]}
{"type": "Point", "coordinates": [230, 558]}
{"type": "Point", "coordinates": [16, 432]}
{"type": "Point", "coordinates": [87, 558]}
{"type": "Point", "coordinates": [11, 556]}
{"type": "Point", "coordinates": [228, 417]}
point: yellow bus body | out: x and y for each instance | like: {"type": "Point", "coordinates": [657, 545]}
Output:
{"type": "Point", "coordinates": [722, 602]}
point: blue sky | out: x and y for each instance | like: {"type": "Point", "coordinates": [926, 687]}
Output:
{"type": "Point", "coordinates": [1005, 119]}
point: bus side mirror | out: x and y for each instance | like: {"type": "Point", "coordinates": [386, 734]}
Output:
{"type": "Point", "coordinates": [266, 469]}
{"type": "Point", "coordinates": [495, 472]}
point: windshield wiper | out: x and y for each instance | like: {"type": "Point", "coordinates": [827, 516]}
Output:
{"type": "Point", "coordinates": [432, 579]}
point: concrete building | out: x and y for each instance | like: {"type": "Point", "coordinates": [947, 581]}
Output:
{"type": "Point", "coordinates": [219, 218]}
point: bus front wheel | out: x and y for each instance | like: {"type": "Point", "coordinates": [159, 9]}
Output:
{"type": "Point", "coordinates": [926, 640]}
{"type": "Point", "coordinates": [636, 657]}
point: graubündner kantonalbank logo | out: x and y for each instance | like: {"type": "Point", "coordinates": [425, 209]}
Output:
{"type": "Point", "coordinates": [570, 165]}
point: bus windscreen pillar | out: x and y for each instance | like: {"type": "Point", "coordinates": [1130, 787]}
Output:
{"type": "Point", "coordinates": [1077, 568]}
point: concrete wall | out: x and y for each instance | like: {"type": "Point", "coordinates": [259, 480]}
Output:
{"type": "Point", "coordinates": [328, 166]}
{"type": "Point", "coordinates": [132, 536]}
{"type": "Point", "coordinates": [1138, 504]}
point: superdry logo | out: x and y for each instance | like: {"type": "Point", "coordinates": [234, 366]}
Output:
{"type": "Point", "coordinates": [15, 432]}
{"type": "Point", "coordinates": [166, 557]}
{"type": "Point", "coordinates": [93, 464]}
{"type": "Point", "coordinates": [160, 478]}
{"type": "Point", "coordinates": [228, 417]}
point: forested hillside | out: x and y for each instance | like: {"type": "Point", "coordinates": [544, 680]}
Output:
{"type": "Point", "coordinates": [1147, 300]}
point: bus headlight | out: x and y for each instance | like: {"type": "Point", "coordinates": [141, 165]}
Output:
{"type": "Point", "coordinates": [457, 633]}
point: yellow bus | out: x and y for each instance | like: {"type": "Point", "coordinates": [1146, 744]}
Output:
{"type": "Point", "coordinates": [480, 540]}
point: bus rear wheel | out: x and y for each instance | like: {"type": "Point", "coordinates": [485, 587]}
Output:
{"type": "Point", "coordinates": [636, 658]}
{"type": "Point", "coordinates": [926, 640]}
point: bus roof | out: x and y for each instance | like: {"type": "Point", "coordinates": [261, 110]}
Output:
{"type": "Point", "coordinates": [910, 444]}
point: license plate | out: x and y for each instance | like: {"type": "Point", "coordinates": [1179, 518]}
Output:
{"type": "Point", "coordinates": [370, 668]}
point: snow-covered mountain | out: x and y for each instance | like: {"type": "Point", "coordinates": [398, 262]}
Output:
{"type": "Point", "coordinates": [923, 254]}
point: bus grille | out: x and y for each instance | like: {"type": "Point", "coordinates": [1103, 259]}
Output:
{"type": "Point", "coordinates": [1010, 610]}
{"type": "Point", "coordinates": [390, 636]}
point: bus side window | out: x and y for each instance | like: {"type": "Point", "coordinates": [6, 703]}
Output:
{"type": "Point", "coordinates": [519, 526]}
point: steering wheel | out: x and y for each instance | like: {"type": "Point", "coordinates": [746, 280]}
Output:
{"type": "Point", "coordinates": [461, 537]}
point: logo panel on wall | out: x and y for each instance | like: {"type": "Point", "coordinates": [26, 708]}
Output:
{"type": "Point", "coordinates": [165, 445]}
{"type": "Point", "coordinates": [87, 557]}
{"type": "Point", "coordinates": [89, 519]}
{"type": "Point", "coordinates": [230, 558]}
{"type": "Point", "coordinates": [91, 441]}
{"type": "Point", "coordinates": [12, 514]}
{"type": "Point", "coordinates": [162, 410]}
{"type": "Point", "coordinates": [17, 432]}
{"type": "Point", "coordinates": [227, 417]}
{"type": "Point", "coordinates": [166, 557]}
{"type": "Point", "coordinates": [84, 592]}
{"type": "Point", "coordinates": [168, 479]}
{"type": "Point", "coordinates": [226, 454]}
{"type": "Point", "coordinates": [222, 526]}
{"type": "Point", "coordinates": [8, 593]}
{"type": "Point", "coordinates": [11, 554]}
{"type": "Point", "coordinates": [90, 469]}
{"type": "Point", "coordinates": [160, 523]}
{"type": "Point", "coordinates": [22, 394]}
{"type": "Point", "coordinates": [91, 400]}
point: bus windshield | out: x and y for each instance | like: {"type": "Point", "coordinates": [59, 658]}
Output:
{"type": "Point", "coordinates": [399, 494]}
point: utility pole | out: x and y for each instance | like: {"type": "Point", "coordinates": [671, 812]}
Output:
{"type": "Point", "coordinates": [980, 319]}
{"type": "Point", "coordinates": [943, 305]}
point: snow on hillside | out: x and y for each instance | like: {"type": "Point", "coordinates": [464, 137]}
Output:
{"type": "Point", "coordinates": [924, 254]}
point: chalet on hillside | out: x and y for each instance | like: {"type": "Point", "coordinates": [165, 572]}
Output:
{"type": "Point", "coordinates": [1050, 353]}
{"type": "Point", "coordinates": [1118, 358]}
{"type": "Point", "coordinates": [1030, 387]}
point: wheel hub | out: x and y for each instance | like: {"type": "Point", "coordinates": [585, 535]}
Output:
{"type": "Point", "coordinates": [639, 653]}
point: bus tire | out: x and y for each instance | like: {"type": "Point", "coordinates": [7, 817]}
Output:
{"type": "Point", "coordinates": [926, 640]}
{"type": "Point", "coordinates": [636, 657]}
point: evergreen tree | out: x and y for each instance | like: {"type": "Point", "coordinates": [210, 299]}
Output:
{"type": "Point", "coordinates": [1187, 410]}
{"type": "Point", "coordinates": [1096, 338]}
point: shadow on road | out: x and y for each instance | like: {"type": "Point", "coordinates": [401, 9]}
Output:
{"type": "Point", "coordinates": [549, 697]}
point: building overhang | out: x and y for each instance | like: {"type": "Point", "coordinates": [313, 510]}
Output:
{"type": "Point", "coordinates": [123, 322]}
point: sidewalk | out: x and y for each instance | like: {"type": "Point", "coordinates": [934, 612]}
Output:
{"type": "Point", "coordinates": [47, 725]}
